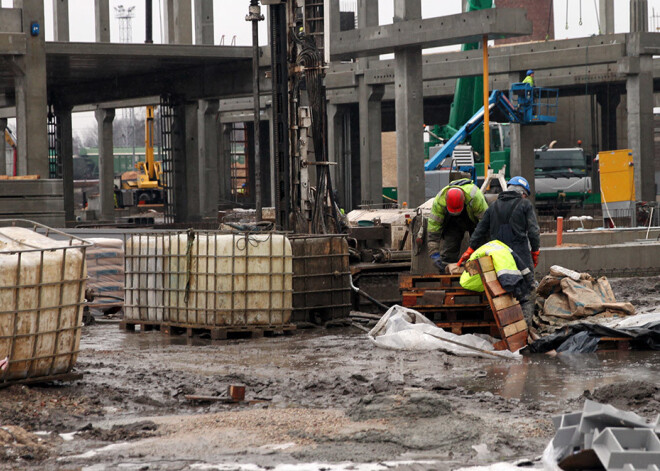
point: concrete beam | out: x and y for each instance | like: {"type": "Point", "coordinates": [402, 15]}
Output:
{"type": "Point", "coordinates": [104, 118]}
{"type": "Point", "coordinates": [61, 20]}
{"type": "Point", "coordinates": [11, 20]}
{"type": "Point", "coordinates": [13, 44]}
{"type": "Point", "coordinates": [204, 22]}
{"type": "Point", "coordinates": [431, 32]}
{"type": "Point", "coordinates": [102, 18]}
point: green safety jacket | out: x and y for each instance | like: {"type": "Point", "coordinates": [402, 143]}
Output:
{"type": "Point", "coordinates": [505, 265]}
{"type": "Point", "coordinates": [529, 80]}
{"type": "Point", "coordinates": [475, 203]}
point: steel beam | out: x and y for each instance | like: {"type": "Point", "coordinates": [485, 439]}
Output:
{"type": "Point", "coordinates": [3, 147]}
{"type": "Point", "coordinates": [431, 32]}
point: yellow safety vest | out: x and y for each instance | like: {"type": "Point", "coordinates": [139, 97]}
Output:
{"type": "Point", "coordinates": [503, 261]}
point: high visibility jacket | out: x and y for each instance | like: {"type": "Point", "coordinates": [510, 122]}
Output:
{"type": "Point", "coordinates": [505, 265]}
{"type": "Point", "coordinates": [475, 204]}
{"type": "Point", "coordinates": [529, 80]}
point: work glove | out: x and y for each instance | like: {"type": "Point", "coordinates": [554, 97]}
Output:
{"type": "Point", "coordinates": [535, 257]}
{"type": "Point", "coordinates": [465, 256]}
{"type": "Point", "coordinates": [437, 261]}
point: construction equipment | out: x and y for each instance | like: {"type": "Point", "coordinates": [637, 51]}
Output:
{"type": "Point", "coordinates": [521, 104]}
{"type": "Point", "coordinates": [144, 186]}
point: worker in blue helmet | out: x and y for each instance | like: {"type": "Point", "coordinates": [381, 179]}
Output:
{"type": "Point", "coordinates": [511, 219]}
{"type": "Point", "coordinates": [529, 78]}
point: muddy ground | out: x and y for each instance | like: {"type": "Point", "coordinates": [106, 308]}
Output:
{"type": "Point", "coordinates": [318, 397]}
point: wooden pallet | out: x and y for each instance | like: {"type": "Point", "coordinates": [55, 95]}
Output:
{"type": "Point", "coordinates": [145, 326]}
{"type": "Point", "coordinates": [506, 309]}
{"type": "Point", "coordinates": [230, 332]}
{"type": "Point", "coordinates": [443, 300]}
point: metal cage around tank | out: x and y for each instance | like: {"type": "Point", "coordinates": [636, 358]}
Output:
{"type": "Point", "coordinates": [41, 302]}
{"type": "Point", "coordinates": [208, 279]}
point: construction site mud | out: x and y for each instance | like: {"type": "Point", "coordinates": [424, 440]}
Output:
{"type": "Point", "coordinates": [318, 398]}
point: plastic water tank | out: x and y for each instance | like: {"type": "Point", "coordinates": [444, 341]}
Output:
{"type": "Point", "coordinates": [42, 286]}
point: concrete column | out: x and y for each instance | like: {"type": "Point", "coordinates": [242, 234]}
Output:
{"type": "Point", "coordinates": [369, 98]}
{"type": "Point", "coordinates": [180, 163]}
{"type": "Point", "coordinates": [3, 147]}
{"type": "Point", "coordinates": [204, 22]}
{"type": "Point", "coordinates": [65, 140]}
{"type": "Point", "coordinates": [639, 16]}
{"type": "Point", "coordinates": [224, 164]}
{"type": "Point", "coordinates": [371, 162]}
{"type": "Point", "coordinates": [192, 159]}
{"type": "Point", "coordinates": [208, 190]}
{"type": "Point", "coordinates": [606, 16]}
{"type": "Point", "coordinates": [61, 20]}
{"type": "Point", "coordinates": [608, 99]}
{"type": "Point", "coordinates": [408, 102]}
{"type": "Point", "coordinates": [182, 22]}
{"type": "Point", "coordinates": [104, 118]}
{"type": "Point", "coordinates": [331, 24]}
{"type": "Point", "coordinates": [522, 154]}
{"type": "Point", "coordinates": [31, 97]}
{"type": "Point", "coordinates": [168, 21]}
{"type": "Point", "coordinates": [102, 17]}
{"type": "Point", "coordinates": [639, 94]}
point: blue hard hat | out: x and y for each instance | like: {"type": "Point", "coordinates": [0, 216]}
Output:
{"type": "Point", "coordinates": [520, 181]}
{"type": "Point", "coordinates": [530, 72]}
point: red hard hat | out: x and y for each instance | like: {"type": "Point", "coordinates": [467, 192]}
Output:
{"type": "Point", "coordinates": [455, 200]}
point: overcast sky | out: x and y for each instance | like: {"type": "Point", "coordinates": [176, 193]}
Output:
{"type": "Point", "coordinates": [573, 18]}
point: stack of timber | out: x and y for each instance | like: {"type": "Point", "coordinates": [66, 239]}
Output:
{"type": "Point", "coordinates": [506, 308]}
{"type": "Point", "coordinates": [105, 268]}
{"type": "Point", "coordinates": [443, 300]}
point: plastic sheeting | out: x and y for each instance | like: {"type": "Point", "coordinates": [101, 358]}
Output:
{"type": "Point", "coordinates": [583, 337]}
{"type": "Point", "coordinates": [401, 328]}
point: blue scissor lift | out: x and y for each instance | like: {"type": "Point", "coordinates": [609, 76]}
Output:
{"type": "Point", "coordinates": [521, 104]}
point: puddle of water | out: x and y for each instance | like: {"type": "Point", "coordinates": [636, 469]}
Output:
{"type": "Point", "coordinates": [540, 378]}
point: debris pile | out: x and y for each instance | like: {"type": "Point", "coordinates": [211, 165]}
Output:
{"type": "Point", "coordinates": [567, 297]}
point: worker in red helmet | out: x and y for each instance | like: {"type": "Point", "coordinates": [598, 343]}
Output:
{"type": "Point", "coordinates": [456, 210]}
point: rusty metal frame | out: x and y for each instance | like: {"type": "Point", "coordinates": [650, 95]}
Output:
{"type": "Point", "coordinates": [69, 243]}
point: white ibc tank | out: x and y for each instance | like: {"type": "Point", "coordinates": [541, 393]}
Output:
{"type": "Point", "coordinates": [144, 290]}
{"type": "Point", "coordinates": [229, 280]}
{"type": "Point", "coordinates": [42, 286]}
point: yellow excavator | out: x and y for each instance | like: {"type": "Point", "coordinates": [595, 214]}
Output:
{"type": "Point", "coordinates": [143, 186]}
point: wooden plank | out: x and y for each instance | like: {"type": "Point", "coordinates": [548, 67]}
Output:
{"type": "Point", "coordinates": [503, 302]}
{"type": "Point", "coordinates": [490, 276]}
{"type": "Point", "coordinates": [517, 341]}
{"type": "Point", "coordinates": [19, 177]}
{"type": "Point", "coordinates": [495, 287]}
{"type": "Point", "coordinates": [510, 315]}
{"type": "Point", "coordinates": [486, 263]}
{"type": "Point", "coordinates": [430, 296]}
{"type": "Point", "coordinates": [514, 328]}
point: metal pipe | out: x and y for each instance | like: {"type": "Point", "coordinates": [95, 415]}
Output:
{"type": "Point", "coordinates": [148, 27]}
{"type": "Point", "coordinates": [365, 295]}
{"type": "Point", "coordinates": [255, 16]}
